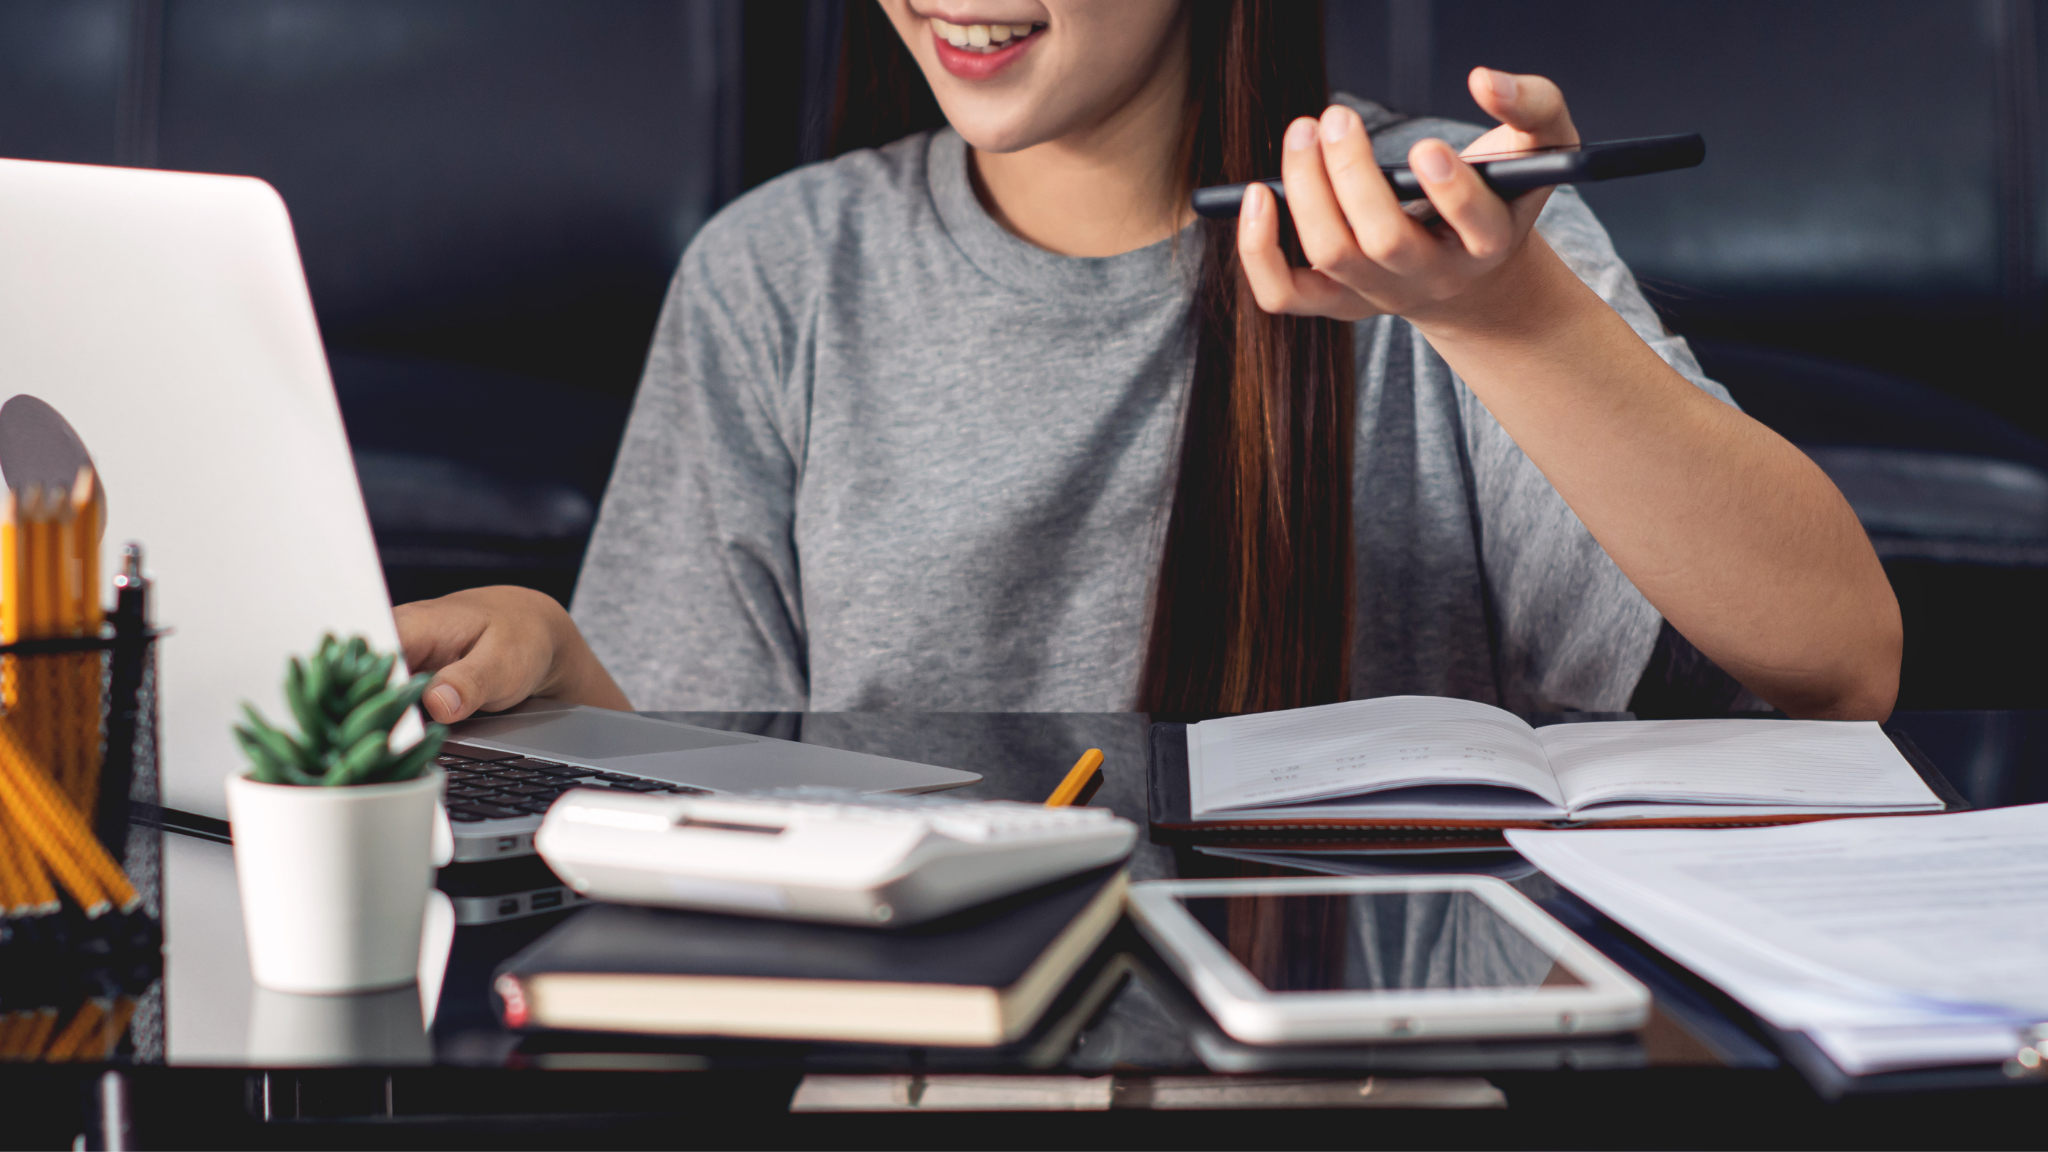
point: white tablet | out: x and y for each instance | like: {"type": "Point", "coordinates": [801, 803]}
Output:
{"type": "Point", "coordinates": [1371, 958]}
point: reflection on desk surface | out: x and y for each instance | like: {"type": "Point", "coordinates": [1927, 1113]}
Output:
{"type": "Point", "coordinates": [1375, 942]}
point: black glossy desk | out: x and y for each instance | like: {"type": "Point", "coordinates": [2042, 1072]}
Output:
{"type": "Point", "coordinates": [212, 1061]}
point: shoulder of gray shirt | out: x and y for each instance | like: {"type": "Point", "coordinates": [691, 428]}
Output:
{"type": "Point", "coordinates": [786, 234]}
{"type": "Point", "coordinates": [779, 246]}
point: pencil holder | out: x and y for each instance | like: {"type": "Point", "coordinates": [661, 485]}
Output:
{"type": "Point", "coordinates": [77, 745]}
{"type": "Point", "coordinates": [80, 946]}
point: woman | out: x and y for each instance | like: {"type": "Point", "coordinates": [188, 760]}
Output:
{"type": "Point", "coordinates": [980, 420]}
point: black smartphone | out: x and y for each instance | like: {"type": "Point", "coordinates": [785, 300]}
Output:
{"type": "Point", "coordinates": [1512, 173]}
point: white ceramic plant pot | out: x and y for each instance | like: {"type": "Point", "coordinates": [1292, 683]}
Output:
{"type": "Point", "coordinates": [334, 880]}
{"type": "Point", "coordinates": [294, 1030]}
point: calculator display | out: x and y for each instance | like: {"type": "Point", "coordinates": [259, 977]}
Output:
{"type": "Point", "coordinates": [1379, 941]}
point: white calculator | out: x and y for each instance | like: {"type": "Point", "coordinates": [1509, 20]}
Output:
{"type": "Point", "coordinates": [820, 854]}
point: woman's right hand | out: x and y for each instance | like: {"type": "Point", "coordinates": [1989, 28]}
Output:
{"type": "Point", "coordinates": [490, 648]}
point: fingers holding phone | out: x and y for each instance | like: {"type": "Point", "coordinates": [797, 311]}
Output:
{"type": "Point", "coordinates": [1365, 254]}
{"type": "Point", "coordinates": [1533, 117]}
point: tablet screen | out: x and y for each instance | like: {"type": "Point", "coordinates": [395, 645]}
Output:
{"type": "Point", "coordinates": [1376, 941]}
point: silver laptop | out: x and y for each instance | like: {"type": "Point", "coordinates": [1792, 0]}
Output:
{"type": "Point", "coordinates": [158, 324]}
{"type": "Point", "coordinates": [504, 770]}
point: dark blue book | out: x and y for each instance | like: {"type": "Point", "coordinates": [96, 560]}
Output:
{"type": "Point", "coordinates": [976, 978]}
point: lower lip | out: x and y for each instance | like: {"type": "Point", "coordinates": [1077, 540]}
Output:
{"type": "Point", "coordinates": [977, 65]}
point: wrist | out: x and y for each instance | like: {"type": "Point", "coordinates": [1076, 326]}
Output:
{"type": "Point", "coordinates": [566, 650]}
{"type": "Point", "coordinates": [575, 673]}
{"type": "Point", "coordinates": [1531, 296]}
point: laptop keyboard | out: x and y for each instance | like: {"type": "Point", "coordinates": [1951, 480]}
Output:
{"type": "Point", "coordinates": [485, 785]}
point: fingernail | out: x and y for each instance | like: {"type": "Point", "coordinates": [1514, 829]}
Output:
{"type": "Point", "coordinates": [1431, 164]}
{"type": "Point", "coordinates": [1504, 85]}
{"type": "Point", "coordinates": [1337, 123]}
{"type": "Point", "coordinates": [1300, 134]}
{"type": "Point", "coordinates": [1254, 204]}
{"type": "Point", "coordinates": [448, 698]}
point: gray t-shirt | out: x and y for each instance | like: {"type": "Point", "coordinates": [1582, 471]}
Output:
{"type": "Point", "coordinates": [887, 455]}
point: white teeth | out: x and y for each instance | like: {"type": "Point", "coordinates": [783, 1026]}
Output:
{"type": "Point", "coordinates": [983, 38]}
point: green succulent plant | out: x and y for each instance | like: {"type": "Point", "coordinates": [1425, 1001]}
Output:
{"type": "Point", "coordinates": [345, 704]}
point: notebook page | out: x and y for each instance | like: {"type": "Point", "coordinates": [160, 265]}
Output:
{"type": "Point", "coordinates": [1809, 763]}
{"type": "Point", "coordinates": [1361, 746]}
{"type": "Point", "coordinates": [1457, 802]}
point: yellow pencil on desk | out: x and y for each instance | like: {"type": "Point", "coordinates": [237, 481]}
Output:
{"type": "Point", "coordinates": [1081, 782]}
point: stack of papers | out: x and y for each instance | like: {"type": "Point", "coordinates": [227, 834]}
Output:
{"type": "Point", "coordinates": [1897, 942]}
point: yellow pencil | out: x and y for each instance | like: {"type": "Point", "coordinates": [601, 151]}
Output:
{"type": "Point", "coordinates": [89, 507]}
{"type": "Point", "coordinates": [41, 570]}
{"type": "Point", "coordinates": [1077, 780]}
{"type": "Point", "coordinates": [20, 866]}
{"type": "Point", "coordinates": [48, 731]}
{"type": "Point", "coordinates": [11, 597]}
{"type": "Point", "coordinates": [78, 1033]}
{"type": "Point", "coordinates": [61, 569]}
{"type": "Point", "coordinates": [29, 1044]}
{"type": "Point", "coordinates": [10, 568]}
{"type": "Point", "coordinates": [24, 880]}
{"type": "Point", "coordinates": [14, 883]}
{"type": "Point", "coordinates": [51, 828]}
{"type": "Point", "coordinates": [59, 823]}
{"type": "Point", "coordinates": [89, 510]}
{"type": "Point", "coordinates": [59, 835]}
{"type": "Point", "coordinates": [38, 894]}
{"type": "Point", "coordinates": [38, 589]}
{"type": "Point", "coordinates": [76, 727]}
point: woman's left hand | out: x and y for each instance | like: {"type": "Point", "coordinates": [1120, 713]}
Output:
{"type": "Point", "coordinates": [1366, 255]}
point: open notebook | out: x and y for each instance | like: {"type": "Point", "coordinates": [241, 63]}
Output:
{"type": "Point", "coordinates": [1427, 759]}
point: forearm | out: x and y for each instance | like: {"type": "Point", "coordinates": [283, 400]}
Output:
{"type": "Point", "coordinates": [1732, 533]}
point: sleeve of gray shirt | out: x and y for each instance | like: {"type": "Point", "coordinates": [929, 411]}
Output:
{"type": "Point", "coordinates": [1573, 631]}
{"type": "Point", "coordinates": [703, 549]}
{"type": "Point", "coordinates": [1567, 631]}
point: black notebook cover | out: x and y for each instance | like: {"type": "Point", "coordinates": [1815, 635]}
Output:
{"type": "Point", "coordinates": [1172, 808]}
{"type": "Point", "coordinates": [990, 946]}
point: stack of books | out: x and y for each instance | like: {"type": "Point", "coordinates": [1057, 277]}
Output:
{"type": "Point", "coordinates": [982, 977]}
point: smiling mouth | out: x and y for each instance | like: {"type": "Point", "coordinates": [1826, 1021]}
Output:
{"type": "Point", "coordinates": [983, 39]}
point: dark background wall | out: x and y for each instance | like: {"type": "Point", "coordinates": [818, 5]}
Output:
{"type": "Point", "coordinates": [1874, 186]}
{"type": "Point", "coordinates": [491, 195]}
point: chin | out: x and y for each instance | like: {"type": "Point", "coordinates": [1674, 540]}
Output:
{"type": "Point", "coordinates": [996, 130]}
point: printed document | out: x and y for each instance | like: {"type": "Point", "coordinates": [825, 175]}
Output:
{"type": "Point", "coordinates": [1893, 942]}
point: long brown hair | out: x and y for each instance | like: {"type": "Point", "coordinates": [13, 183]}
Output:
{"type": "Point", "coordinates": [1252, 607]}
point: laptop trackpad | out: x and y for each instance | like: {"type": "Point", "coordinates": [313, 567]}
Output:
{"type": "Point", "coordinates": [591, 735]}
